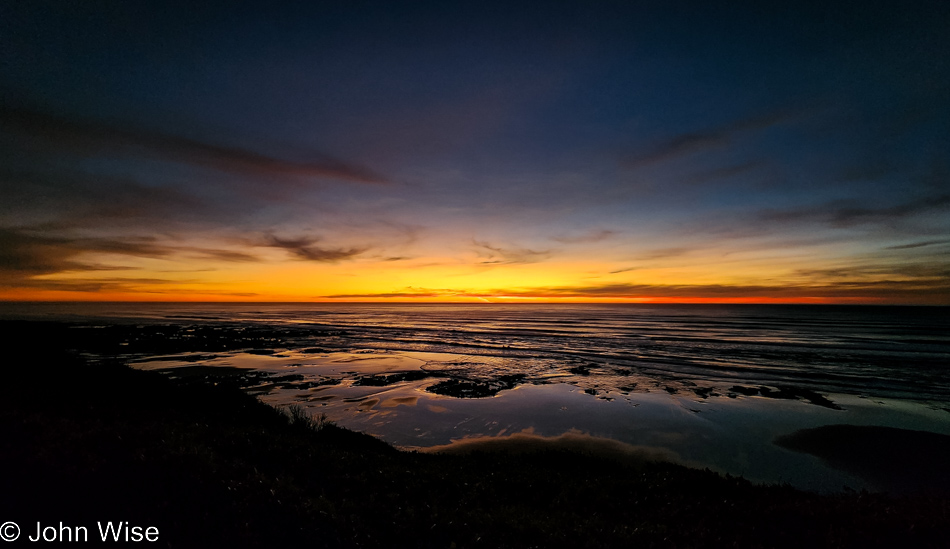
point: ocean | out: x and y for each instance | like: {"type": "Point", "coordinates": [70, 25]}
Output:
{"type": "Point", "coordinates": [704, 385]}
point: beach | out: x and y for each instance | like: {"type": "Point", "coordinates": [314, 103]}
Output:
{"type": "Point", "coordinates": [198, 454]}
{"type": "Point", "coordinates": [704, 386]}
{"type": "Point", "coordinates": [211, 465]}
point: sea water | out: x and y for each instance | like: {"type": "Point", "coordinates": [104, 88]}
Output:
{"type": "Point", "coordinates": [704, 385]}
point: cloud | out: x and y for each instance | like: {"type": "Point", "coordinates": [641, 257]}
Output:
{"type": "Point", "coordinates": [143, 246]}
{"type": "Point", "coordinates": [846, 213]}
{"type": "Point", "coordinates": [51, 193]}
{"type": "Point", "coordinates": [912, 291]}
{"type": "Point", "coordinates": [136, 285]}
{"type": "Point", "coordinates": [917, 245]}
{"type": "Point", "coordinates": [409, 292]}
{"type": "Point", "coordinates": [76, 199]}
{"type": "Point", "coordinates": [25, 259]}
{"type": "Point", "coordinates": [232, 256]}
{"type": "Point", "coordinates": [88, 137]}
{"type": "Point", "coordinates": [917, 272]}
{"type": "Point", "coordinates": [92, 285]}
{"type": "Point", "coordinates": [306, 248]}
{"type": "Point", "coordinates": [589, 237]}
{"type": "Point", "coordinates": [497, 255]}
{"type": "Point", "coordinates": [691, 143]}
{"type": "Point", "coordinates": [663, 253]}
{"type": "Point", "coordinates": [936, 289]}
{"type": "Point", "coordinates": [25, 255]}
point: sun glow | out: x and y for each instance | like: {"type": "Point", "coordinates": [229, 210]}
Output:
{"type": "Point", "coordinates": [446, 279]}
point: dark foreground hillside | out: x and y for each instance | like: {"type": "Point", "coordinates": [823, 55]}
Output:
{"type": "Point", "coordinates": [210, 466]}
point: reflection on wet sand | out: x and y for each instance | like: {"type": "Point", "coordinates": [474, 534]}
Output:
{"type": "Point", "coordinates": [713, 385]}
{"type": "Point", "coordinates": [527, 442]}
{"type": "Point", "coordinates": [450, 402]}
{"type": "Point", "coordinates": [400, 401]}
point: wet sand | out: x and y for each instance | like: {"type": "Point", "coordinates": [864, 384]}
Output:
{"type": "Point", "coordinates": [527, 443]}
{"type": "Point", "coordinates": [210, 465]}
{"type": "Point", "coordinates": [420, 400]}
{"type": "Point", "coordinates": [893, 460]}
{"type": "Point", "coordinates": [417, 399]}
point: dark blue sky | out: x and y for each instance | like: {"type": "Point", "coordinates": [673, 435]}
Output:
{"type": "Point", "coordinates": [610, 150]}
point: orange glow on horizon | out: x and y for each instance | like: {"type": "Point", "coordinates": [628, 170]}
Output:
{"type": "Point", "coordinates": [447, 279]}
{"type": "Point", "coordinates": [52, 296]}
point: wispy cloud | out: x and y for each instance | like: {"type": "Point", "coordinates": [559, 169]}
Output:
{"type": "Point", "coordinates": [25, 255]}
{"type": "Point", "coordinates": [856, 271]}
{"type": "Point", "coordinates": [871, 289]}
{"type": "Point", "coordinates": [32, 254]}
{"type": "Point", "coordinates": [306, 248]}
{"type": "Point", "coordinates": [663, 253]}
{"type": "Point", "coordinates": [849, 213]}
{"type": "Point", "coordinates": [691, 143]}
{"type": "Point", "coordinates": [87, 136]}
{"type": "Point", "coordinates": [408, 292]}
{"type": "Point", "coordinates": [232, 256]}
{"type": "Point", "coordinates": [918, 245]}
{"type": "Point", "coordinates": [498, 255]}
{"type": "Point", "coordinates": [931, 291]}
{"type": "Point", "coordinates": [135, 285]}
{"type": "Point", "coordinates": [76, 199]}
{"type": "Point", "coordinates": [92, 285]}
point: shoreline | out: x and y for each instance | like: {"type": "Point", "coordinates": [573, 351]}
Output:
{"type": "Point", "coordinates": [891, 459]}
{"type": "Point", "coordinates": [214, 466]}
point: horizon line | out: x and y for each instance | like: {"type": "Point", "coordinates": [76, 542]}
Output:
{"type": "Point", "coordinates": [475, 303]}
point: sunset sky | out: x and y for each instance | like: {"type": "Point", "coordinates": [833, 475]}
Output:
{"type": "Point", "coordinates": [351, 151]}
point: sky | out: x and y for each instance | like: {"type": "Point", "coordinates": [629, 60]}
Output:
{"type": "Point", "coordinates": [501, 152]}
